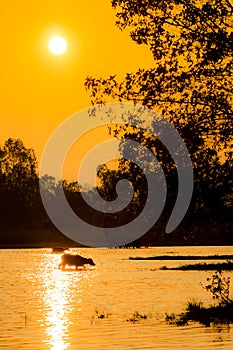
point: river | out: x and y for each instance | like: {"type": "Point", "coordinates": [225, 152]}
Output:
{"type": "Point", "coordinates": [42, 307]}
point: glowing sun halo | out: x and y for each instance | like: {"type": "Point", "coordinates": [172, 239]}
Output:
{"type": "Point", "coordinates": [57, 45]}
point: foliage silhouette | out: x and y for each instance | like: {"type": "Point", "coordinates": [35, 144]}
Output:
{"type": "Point", "coordinates": [201, 267]}
{"type": "Point", "coordinates": [219, 286]}
{"type": "Point", "coordinates": [18, 182]}
{"type": "Point", "coordinates": [190, 84]}
{"type": "Point", "coordinates": [23, 220]}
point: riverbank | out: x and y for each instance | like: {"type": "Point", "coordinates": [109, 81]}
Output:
{"type": "Point", "coordinates": [184, 257]}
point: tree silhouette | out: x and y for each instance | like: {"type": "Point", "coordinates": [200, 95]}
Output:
{"type": "Point", "coordinates": [190, 83]}
{"type": "Point", "coordinates": [18, 182]}
{"type": "Point", "coordinates": [23, 219]}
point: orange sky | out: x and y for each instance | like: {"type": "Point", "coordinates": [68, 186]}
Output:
{"type": "Point", "coordinates": [40, 90]}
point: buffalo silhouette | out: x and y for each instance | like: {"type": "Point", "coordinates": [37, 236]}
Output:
{"type": "Point", "coordinates": [74, 260]}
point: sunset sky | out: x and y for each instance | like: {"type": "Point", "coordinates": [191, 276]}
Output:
{"type": "Point", "coordinates": [39, 90]}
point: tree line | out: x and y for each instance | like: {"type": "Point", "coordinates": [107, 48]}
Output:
{"type": "Point", "coordinates": [190, 84]}
{"type": "Point", "coordinates": [23, 219]}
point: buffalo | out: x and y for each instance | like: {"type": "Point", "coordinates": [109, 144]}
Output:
{"type": "Point", "coordinates": [75, 260]}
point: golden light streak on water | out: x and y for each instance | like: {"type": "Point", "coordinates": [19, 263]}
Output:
{"type": "Point", "coordinates": [58, 298]}
{"type": "Point", "coordinates": [43, 308]}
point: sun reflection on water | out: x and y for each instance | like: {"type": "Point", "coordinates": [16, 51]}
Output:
{"type": "Point", "coordinates": [60, 290]}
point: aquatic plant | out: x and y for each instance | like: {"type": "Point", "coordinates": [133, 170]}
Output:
{"type": "Point", "coordinates": [137, 317]}
{"type": "Point", "coordinates": [219, 286]}
{"type": "Point", "coordinates": [100, 314]}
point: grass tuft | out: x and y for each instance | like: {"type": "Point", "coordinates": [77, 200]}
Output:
{"type": "Point", "coordinates": [222, 313]}
{"type": "Point", "coordinates": [136, 317]}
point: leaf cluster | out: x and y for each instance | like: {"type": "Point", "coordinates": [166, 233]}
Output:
{"type": "Point", "coordinates": [190, 83]}
{"type": "Point", "coordinates": [219, 286]}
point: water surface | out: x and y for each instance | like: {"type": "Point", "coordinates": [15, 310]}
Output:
{"type": "Point", "coordinates": [42, 307]}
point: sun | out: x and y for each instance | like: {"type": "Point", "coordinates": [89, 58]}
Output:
{"type": "Point", "coordinates": [57, 45]}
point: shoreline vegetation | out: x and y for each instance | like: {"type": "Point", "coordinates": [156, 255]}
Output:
{"type": "Point", "coordinates": [25, 223]}
{"type": "Point", "coordinates": [227, 266]}
{"type": "Point", "coordinates": [184, 257]}
{"type": "Point", "coordinates": [220, 313]}
{"type": "Point", "coordinates": [196, 312]}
